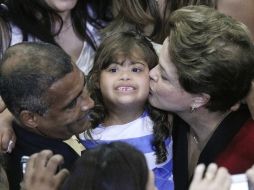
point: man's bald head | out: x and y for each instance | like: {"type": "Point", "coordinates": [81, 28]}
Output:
{"type": "Point", "coordinates": [27, 70]}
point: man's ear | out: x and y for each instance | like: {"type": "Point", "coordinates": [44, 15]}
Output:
{"type": "Point", "coordinates": [200, 100]}
{"type": "Point", "coordinates": [29, 118]}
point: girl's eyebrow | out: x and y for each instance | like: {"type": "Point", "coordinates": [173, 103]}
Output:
{"type": "Point", "coordinates": [132, 62]}
{"type": "Point", "coordinates": [139, 62]}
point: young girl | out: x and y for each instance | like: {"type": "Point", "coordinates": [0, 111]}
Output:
{"type": "Point", "coordinates": [119, 85]}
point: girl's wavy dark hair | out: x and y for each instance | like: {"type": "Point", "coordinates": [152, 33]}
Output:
{"type": "Point", "coordinates": [126, 42]}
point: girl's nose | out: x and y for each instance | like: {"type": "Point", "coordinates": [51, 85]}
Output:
{"type": "Point", "coordinates": [125, 75]}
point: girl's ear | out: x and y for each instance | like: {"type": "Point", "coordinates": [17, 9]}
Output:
{"type": "Point", "coordinates": [28, 118]}
{"type": "Point", "coordinates": [200, 100]}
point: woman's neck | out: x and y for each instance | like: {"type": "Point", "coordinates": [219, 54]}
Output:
{"type": "Point", "coordinates": [203, 123]}
{"type": "Point", "coordinates": [202, 126]}
{"type": "Point", "coordinates": [67, 22]}
{"type": "Point", "coordinates": [67, 38]}
{"type": "Point", "coordinates": [66, 16]}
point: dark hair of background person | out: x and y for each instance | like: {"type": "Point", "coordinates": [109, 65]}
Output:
{"type": "Point", "coordinates": [127, 43]}
{"type": "Point", "coordinates": [161, 28]}
{"type": "Point", "coordinates": [35, 17]}
{"type": "Point", "coordinates": [112, 166]}
{"type": "Point", "coordinates": [22, 76]}
{"type": "Point", "coordinates": [136, 14]}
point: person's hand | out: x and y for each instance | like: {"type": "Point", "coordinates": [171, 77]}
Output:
{"type": "Point", "coordinates": [41, 172]}
{"type": "Point", "coordinates": [250, 175]}
{"type": "Point", "coordinates": [235, 107]}
{"type": "Point", "coordinates": [7, 134]}
{"type": "Point", "coordinates": [213, 179]}
{"type": "Point", "coordinates": [250, 100]}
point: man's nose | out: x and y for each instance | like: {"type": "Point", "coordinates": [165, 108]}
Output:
{"type": "Point", "coordinates": [87, 103]}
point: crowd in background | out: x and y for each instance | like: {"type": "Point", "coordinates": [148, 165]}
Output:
{"type": "Point", "coordinates": [152, 93]}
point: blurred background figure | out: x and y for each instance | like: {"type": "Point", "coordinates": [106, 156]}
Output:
{"type": "Point", "coordinates": [112, 166]}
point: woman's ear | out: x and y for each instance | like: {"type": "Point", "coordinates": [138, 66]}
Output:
{"type": "Point", "coordinates": [200, 100]}
{"type": "Point", "coordinates": [28, 118]}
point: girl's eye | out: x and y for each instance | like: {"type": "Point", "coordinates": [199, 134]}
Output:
{"type": "Point", "coordinates": [112, 70]}
{"type": "Point", "coordinates": [136, 70]}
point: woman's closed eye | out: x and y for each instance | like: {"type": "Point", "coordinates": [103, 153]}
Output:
{"type": "Point", "coordinates": [163, 77]}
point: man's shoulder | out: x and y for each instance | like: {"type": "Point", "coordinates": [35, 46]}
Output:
{"type": "Point", "coordinates": [29, 143]}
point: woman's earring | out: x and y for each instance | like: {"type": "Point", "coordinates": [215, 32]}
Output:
{"type": "Point", "coordinates": [192, 109]}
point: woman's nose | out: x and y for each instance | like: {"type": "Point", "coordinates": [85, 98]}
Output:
{"type": "Point", "coordinates": [153, 74]}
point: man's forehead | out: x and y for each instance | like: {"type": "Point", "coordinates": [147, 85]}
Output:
{"type": "Point", "coordinates": [67, 85]}
{"type": "Point", "coordinates": [73, 77]}
{"type": "Point", "coordinates": [66, 89]}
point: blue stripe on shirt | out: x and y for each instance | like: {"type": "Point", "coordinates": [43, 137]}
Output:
{"type": "Point", "coordinates": [163, 176]}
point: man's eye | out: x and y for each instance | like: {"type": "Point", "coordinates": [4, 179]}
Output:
{"type": "Point", "coordinates": [72, 104]}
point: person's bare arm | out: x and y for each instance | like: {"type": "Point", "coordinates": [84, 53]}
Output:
{"type": "Point", "coordinates": [7, 134]}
